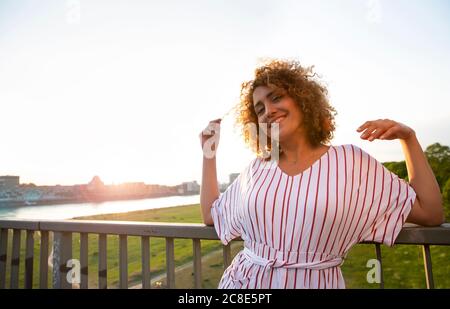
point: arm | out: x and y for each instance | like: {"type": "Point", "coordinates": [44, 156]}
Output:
{"type": "Point", "coordinates": [427, 209]}
{"type": "Point", "coordinates": [209, 190]}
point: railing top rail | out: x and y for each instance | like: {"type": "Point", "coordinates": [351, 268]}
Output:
{"type": "Point", "coordinates": [21, 224]}
{"type": "Point", "coordinates": [410, 234]}
{"type": "Point", "coordinates": [415, 234]}
{"type": "Point", "coordinates": [132, 228]}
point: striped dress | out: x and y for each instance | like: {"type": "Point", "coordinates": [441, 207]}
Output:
{"type": "Point", "coordinates": [298, 229]}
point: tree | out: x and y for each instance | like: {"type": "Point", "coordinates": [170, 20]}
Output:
{"type": "Point", "coordinates": [438, 152]}
{"type": "Point", "coordinates": [446, 199]}
{"type": "Point", "coordinates": [398, 168]}
{"type": "Point", "coordinates": [439, 158]}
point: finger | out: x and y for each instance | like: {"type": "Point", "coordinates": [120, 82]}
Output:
{"type": "Point", "coordinates": [377, 134]}
{"type": "Point", "coordinates": [363, 126]}
{"type": "Point", "coordinates": [389, 134]}
{"type": "Point", "coordinates": [212, 128]}
{"type": "Point", "coordinates": [214, 123]}
{"type": "Point", "coordinates": [389, 122]}
{"type": "Point", "coordinates": [368, 131]}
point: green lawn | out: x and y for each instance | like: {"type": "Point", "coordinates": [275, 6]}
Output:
{"type": "Point", "coordinates": [183, 248]}
{"type": "Point", "coordinates": [403, 265]}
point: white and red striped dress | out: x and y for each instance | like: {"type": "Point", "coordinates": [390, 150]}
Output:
{"type": "Point", "coordinates": [298, 229]}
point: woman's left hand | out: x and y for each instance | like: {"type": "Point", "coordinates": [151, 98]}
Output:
{"type": "Point", "coordinates": [385, 129]}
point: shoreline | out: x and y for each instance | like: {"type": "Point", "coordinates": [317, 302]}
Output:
{"type": "Point", "coordinates": [7, 204]}
{"type": "Point", "coordinates": [70, 210]}
{"type": "Point", "coordinates": [131, 212]}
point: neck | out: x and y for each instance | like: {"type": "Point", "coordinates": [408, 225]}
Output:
{"type": "Point", "coordinates": [296, 149]}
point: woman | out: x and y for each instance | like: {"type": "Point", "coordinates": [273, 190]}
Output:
{"type": "Point", "coordinates": [299, 215]}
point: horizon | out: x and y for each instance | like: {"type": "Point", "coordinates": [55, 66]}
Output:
{"type": "Point", "coordinates": [122, 90]}
{"type": "Point", "coordinates": [137, 181]}
{"type": "Point", "coordinates": [92, 178]}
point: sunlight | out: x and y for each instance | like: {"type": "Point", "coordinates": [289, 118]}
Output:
{"type": "Point", "coordinates": [123, 103]}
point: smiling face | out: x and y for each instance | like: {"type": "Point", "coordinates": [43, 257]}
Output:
{"type": "Point", "coordinates": [275, 106]}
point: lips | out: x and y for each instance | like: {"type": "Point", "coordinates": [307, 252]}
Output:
{"type": "Point", "coordinates": [277, 120]}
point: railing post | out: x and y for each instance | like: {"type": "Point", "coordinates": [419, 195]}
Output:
{"type": "Point", "coordinates": [123, 262]}
{"type": "Point", "coordinates": [378, 251]}
{"type": "Point", "coordinates": [145, 254]}
{"type": "Point", "coordinates": [102, 267]}
{"type": "Point", "coordinates": [3, 247]}
{"type": "Point", "coordinates": [62, 253]}
{"type": "Point", "coordinates": [226, 256]}
{"type": "Point", "coordinates": [428, 268]}
{"type": "Point", "coordinates": [43, 261]}
{"type": "Point", "coordinates": [84, 260]}
{"type": "Point", "coordinates": [29, 254]}
{"type": "Point", "coordinates": [197, 263]}
{"type": "Point", "coordinates": [15, 259]}
{"type": "Point", "coordinates": [170, 262]}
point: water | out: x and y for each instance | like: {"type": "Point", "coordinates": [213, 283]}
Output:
{"type": "Point", "coordinates": [67, 211]}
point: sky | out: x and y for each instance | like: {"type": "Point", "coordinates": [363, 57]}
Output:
{"type": "Point", "coordinates": [122, 89]}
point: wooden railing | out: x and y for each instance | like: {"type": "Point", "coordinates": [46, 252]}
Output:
{"type": "Point", "coordinates": [62, 249]}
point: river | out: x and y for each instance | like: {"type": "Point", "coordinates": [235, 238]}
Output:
{"type": "Point", "coordinates": [67, 211]}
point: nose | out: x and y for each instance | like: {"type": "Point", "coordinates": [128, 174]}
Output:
{"type": "Point", "coordinates": [269, 112]}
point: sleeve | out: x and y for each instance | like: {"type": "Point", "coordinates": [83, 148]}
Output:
{"type": "Point", "coordinates": [225, 211]}
{"type": "Point", "coordinates": [387, 200]}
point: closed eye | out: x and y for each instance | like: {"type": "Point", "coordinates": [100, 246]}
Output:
{"type": "Point", "coordinates": [276, 98]}
{"type": "Point", "coordinates": [259, 111]}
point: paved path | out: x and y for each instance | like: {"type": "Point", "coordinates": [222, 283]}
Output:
{"type": "Point", "coordinates": [210, 255]}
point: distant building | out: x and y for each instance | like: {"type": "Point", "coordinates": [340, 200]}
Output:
{"type": "Point", "coordinates": [96, 184]}
{"type": "Point", "coordinates": [191, 187]}
{"type": "Point", "coordinates": [9, 182]}
{"type": "Point", "coordinates": [223, 186]}
{"type": "Point", "coordinates": [232, 177]}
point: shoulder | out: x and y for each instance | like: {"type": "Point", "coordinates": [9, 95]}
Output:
{"type": "Point", "coordinates": [354, 155]}
{"type": "Point", "coordinates": [345, 152]}
{"type": "Point", "coordinates": [254, 164]}
{"type": "Point", "coordinates": [250, 170]}
{"type": "Point", "coordinates": [347, 147]}
{"type": "Point", "coordinates": [258, 164]}
{"type": "Point", "coordinates": [350, 149]}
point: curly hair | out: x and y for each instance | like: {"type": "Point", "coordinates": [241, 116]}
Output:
{"type": "Point", "coordinates": [300, 84]}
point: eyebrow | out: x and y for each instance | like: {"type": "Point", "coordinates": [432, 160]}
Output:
{"type": "Point", "coordinates": [267, 96]}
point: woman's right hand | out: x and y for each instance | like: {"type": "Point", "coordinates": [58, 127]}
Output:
{"type": "Point", "coordinates": [209, 138]}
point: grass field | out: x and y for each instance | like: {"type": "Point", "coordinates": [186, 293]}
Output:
{"type": "Point", "coordinates": [183, 248]}
{"type": "Point", "coordinates": [403, 265]}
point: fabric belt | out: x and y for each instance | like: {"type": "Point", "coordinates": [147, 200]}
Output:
{"type": "Point", "coordinates": [276, 263]}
